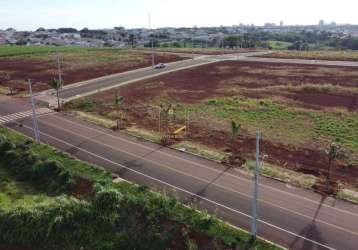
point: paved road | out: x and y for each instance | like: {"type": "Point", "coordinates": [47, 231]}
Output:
{"type": "Point", "coordinates": [292, 217]}
{"type": "Point", "coordinates": [300, 61]}
{"type": "Point", "coordinates": [92, 86]}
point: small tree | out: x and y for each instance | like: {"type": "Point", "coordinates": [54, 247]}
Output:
{"type": "Point", "coordinates": [132, 39]}
{"type": "Point", "coordinates": [236, 158]}
{"type": "Point", "coordinates": [235, 129]}
{"type": "Point", "coordinates": [332, 152]}
{"type": "Point", "coordinates": [56, 84]}
{"type": "Point", "coordinates": [5, 78]}
{"type": "Point", "coordinates": [118, 100]}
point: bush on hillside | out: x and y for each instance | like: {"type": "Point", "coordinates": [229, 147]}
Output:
{"type": "Point", "coordinates": [25, 164]}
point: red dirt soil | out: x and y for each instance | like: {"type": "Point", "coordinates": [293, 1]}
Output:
{"type": "Point", "coordinates": [196, 84]}
{"type": "Point", "coordinates": [304, 159]}
{"type": "Point", "coordinates": [41, 71]}
{"type": "Point", "coordinates": [326, 100]}
{"type": "Point", "coordinates": [82, 188]}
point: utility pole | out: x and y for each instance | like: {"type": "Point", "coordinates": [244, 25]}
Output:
{"type": "Point", "coordinates": [192, 50]}
{"type": "Point", "coordinates": [223, 45]}
{"type": "Point", "coordinates": [152, 40]}
{"type": "Point", "coordinates": [256, 188]}
{"type": "Point", "coordinates": [59, 70]}
{"type": "Point", "coordinates": [159, 120]}
{"type": "Point", "coordinates": [187, 122]}
{"type": "Point", "coordinates": [34, 117]}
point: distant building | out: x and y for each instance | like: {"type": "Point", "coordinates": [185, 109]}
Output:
{"type": "Point", "coordinates": [2, 40]}
{"type": "Point", "coordinates": [281, 23]}
{"type": "Point", "coordinates": [321, 23]}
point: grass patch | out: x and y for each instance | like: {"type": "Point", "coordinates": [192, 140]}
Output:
{"type": "Point", "coordinates": [16, 193]}
{"type": "Point", "coordinates": [297, 179]}
{"type": "Point", "coordinates": [75, 167]}
{"type": "Point", "coordinates": [340, 127]}
{"type": "Point", "coordinates": [144, 133]}
{"type": "Point", "coordinates": [96, 119]}
{"type": "Point", "coordinates": [276, 121]}
{"type": "Point", "coordinates": [277, 45]}
{"type": "Point", "coordinates": [293, 124]}
{"type": "Point", "coordinates": [200, 149]}
{"type": "Point", "coordinates": [348, 194]}
{"type": "Point", "coordinates": [12, 50]}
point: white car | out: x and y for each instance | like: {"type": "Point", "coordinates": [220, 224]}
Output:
{"type": "Point", "coordinates": [160, 66]}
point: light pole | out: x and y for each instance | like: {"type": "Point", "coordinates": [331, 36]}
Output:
{"type": "Point", "coordinates": [255, 192]}
{"type": "Point", "coordinates": [192, 50]}
{"type": "Point", "coordinates": [152, 40]}
{"type": "Point", "coordinates": [34, 117]}
{"type": "Point", "coordinates": [59, 70]}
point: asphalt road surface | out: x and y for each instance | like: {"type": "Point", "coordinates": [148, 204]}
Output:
{"type": "Point", "coordinates": [100, 84]}
{"type": "Point", "coordinates": [292, 217]}
{"type": "Point", "coordinates": [300, 61]}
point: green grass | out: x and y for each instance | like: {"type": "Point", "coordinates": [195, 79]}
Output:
{"type": "Point", "coordinates": [249, 109]}
{"type": "Point", "coordinates": [275, 120]}
{"type": "Point", "coordinates": [293, 124]}
{"type": "Point", "coordinates": [201, 150]}
{"type": "Point", "coordinates": [277, 45]}
{"type": "Point", "coordinates": [16, 193]}
{"type": "Point", "coordinates": [76, 167]}
{"type": "Point", "coordinates": [289, 176]}
{"type": "Point", "coordinates": [8, 51]}
{"type": "Point", "coordinates": [340, 127]}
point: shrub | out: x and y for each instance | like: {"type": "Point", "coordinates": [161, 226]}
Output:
{"type": "Point", "coordinates": [5, 145]}
{"type": "Point", "coordinates": [53, 175]}
{"type": "Point", "coordinates": [83, 104]}
{"type": "Point", "coordinates": [107, 201]}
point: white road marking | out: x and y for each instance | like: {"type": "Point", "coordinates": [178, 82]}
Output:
{"type": "Point", "coordinates": [180, 189]}
{"type": "Point", "coordinates": [16, 116]}
{"type": "Point", "coordinates": [208, 168]}
{"type": "Point", "coordinates": [205, 181]}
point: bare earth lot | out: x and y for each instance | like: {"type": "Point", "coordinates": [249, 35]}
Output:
{"type": "Point", "coordinates": [299, 108]}
{"type": "Point", "coordinates": [77, 66]}
{"type": "Point", "coordinates": [316, 55]}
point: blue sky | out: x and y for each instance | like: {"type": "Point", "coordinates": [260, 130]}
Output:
{"type": "Point", "coordinates": [31, 14]}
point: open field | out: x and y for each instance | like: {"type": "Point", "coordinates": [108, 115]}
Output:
{"type": "Point", "coordinates": [7, 50]}
{"type": "Point", "coordinates": [301, 109]}
{"type": "Point", "coordinates": [343, 55]}
{"type": "Point", "coordinates": [40, 64]}
{"type": "Point", "coordinates": [50, 200]}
